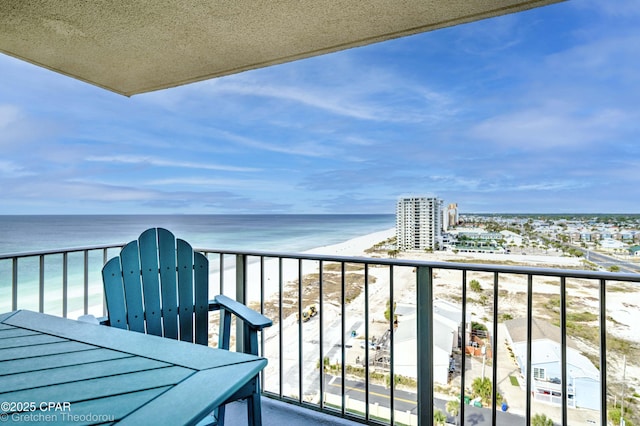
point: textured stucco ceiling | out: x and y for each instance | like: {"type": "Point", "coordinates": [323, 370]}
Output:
{"type": "Point", "coordinates": [137, 46]}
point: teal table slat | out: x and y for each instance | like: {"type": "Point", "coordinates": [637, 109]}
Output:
{"type": "Point", "coordinates": [62, 347]}
{"type": "Point", "coordinates": [74, 373]}
{"type": "Point", "coordinates": [123, 376]}
{"type": "Point", "coordinates": [22, 341]}
{"type": "Point", "coordinates": [15, 332]}
{"type": "Point", "coordinates": [196, 395]}
{"type": "Point", "coordinates": [92, 411]}
{"type": "Point", "coordinates": [100, 387]}
{"type": "Point", "coordinates": [184, 354]}
{"type": "Point", "coordinates": [47, 361]}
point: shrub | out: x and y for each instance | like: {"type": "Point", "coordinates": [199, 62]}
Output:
{"type": "Point", "coordinates": [475, 286]}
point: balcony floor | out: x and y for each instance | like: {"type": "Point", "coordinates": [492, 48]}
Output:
{"type": "Point", "coordinates": [278, 413]}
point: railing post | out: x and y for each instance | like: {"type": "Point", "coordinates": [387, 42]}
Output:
{"type": "Point", "coordinates": [603, 351]}
{"type": "Point", "coordinates": [86, 282]}
{"type": "Point", "coordinates": [14, 284]}
{"type": "Point", "coordinates": [41, 285]}
{"type": "Point", "coordinates": [241, 296]}
{"type": "Point", "coordinates": [529, 373]}
{"type": "Point", "coordinates": [425, 345]}
{"type": "Point", "coordinates": [65, 283]}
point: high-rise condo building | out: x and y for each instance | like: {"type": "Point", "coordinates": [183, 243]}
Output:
{"type": "Point", "coordinates": [450, 217]}
{"type": "Point", "coordinates": [418, 223]}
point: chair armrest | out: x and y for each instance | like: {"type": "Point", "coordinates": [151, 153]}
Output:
{"type": "Point", "coordinates": [249, 316]}
{"type": "Point", "coordinates": [93, 320]}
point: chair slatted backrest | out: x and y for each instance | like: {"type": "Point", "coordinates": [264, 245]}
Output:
{"type": "Point", "coordinates": [159, 285]}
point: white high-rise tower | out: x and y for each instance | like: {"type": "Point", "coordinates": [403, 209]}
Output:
{"type": "Point", "coordinates": [418, 223]}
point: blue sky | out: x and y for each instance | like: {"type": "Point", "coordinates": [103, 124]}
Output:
{"type": "Point", "coordinates": [532, 112]}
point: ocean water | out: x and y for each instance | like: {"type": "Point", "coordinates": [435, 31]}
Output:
{"type": "Point", "coordinates": [241, 232]}
{"type": "Point", "coordinates": [22, 234]}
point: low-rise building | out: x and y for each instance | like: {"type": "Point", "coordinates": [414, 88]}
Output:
{"type": "Point", "coordinates": [583, 378]}
{"type": "Point", "coordinates": [446, 338]}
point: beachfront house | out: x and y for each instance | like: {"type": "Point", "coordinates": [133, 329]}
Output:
{"type": "Point", "coordinates": [511, 238]}
{"type": "Point", "coordinates": [611, 244]}
{"type": "Point", "coordinates": [583, 378]}
{"type": "Point", "coordinates": [446, 339]}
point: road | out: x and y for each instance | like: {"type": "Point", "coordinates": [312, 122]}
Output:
{"type": "Point", "coordinates": [406, 401]}
{"type": "Point", "coordinates": [607, 261]}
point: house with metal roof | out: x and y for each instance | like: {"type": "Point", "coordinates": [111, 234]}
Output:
{"type": "Point", "coordinates": [582, 377]}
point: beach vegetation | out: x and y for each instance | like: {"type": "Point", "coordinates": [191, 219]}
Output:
{"type": "Point", "coordinates": [541, 420]}
{"type": "Point", "coordinates": [615, 414]}
{"type": "Point", "coordinates": [387, 312]}
{"type": "Point", "coordinates": [506, 317]}
{"type": "Point", "coordinates": [475, 286]}
{"type": "Point", "coordinates": [478, 329]}
{"type": "Point", "coordinates": [358, 371]}
{"type": "Point", "coordinates": [483, 388]}
{"type": "Point", "coordinates": [439, 418]}
{"type": "Point", "coordinates": [453, 408]}
{"type": "Point", "coordinates": [382, 245]}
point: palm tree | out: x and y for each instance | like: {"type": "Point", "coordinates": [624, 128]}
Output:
{"type": "Point", "coordinates": [453, 408]}
{"type": "Point", "coordinates": [439, 418]}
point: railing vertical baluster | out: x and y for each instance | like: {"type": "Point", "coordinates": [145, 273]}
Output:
{"type": "Point", "coordinates": [563, 348]}
{"type": "Point", "coordinates": [603, 352]}
{"type": "Point", "coordinates": [221, 273]}
{"type": "Point", "coordinates": [280, 328]}
{"type": "Point", "coordinates": [529, 339]}
{"type": "Point", "coordinates": [463, 340]}
{"type": "Point", "coordinates": [367, 342]}
{"type": "Point", "coordinates": [300, 336]}
{"type": "Point", "coordinates": [104, 299]}
{"type": "Point", "coordinates": [494, 350]}
{"type": "Point", "coordinates": [14, 284]}
{"type": "Point", "coordinates": [65, 283]}
{"type": "Point", "coordinates": [321, 319]}
{"type": "Point", "coordinates": [262, 373]}
{"type": "Point", "coordinates": [392, 380]}
{"type": "Point", "coordinates": [86, 282]}
{"type": "Point", "coordinates": [41, 284]}
{"type": "Point", "coordinates": [241, 296]}
{"type": "Point", "coordinates": [344, 331]}
{"type": "Point", "coordinates": [425, 344]}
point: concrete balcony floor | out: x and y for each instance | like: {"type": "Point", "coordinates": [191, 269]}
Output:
{"type": "Point", "coordinates": [278, 413]}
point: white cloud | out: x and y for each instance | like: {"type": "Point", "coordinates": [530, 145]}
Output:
{"type": "Point", "coordinates": [9, 114]}
{"type": "Point", "coordinates": [550, 126]}
{"type": "Point", "coordinates": [161, 162]}
{"type": "Point", "coordinates": [13, 170]}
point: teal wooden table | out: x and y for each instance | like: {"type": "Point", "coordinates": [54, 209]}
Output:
{"type": "Point", "coordinates": [81, 373]}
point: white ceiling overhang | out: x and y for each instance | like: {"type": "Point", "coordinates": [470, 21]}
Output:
{"type": "Point", "coordinates": [138, 46]}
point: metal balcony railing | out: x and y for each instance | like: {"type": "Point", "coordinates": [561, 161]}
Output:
{"type": "Point", "coordinates": [371, 348]}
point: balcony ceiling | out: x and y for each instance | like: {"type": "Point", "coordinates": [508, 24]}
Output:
{"type": "Point", "coordinates": [132, 47]}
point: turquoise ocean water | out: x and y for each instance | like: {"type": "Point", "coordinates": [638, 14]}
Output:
{"type": "Point", "coordinates": [242, 232]}
{"type": "Point", "coordinates": [20, 234]}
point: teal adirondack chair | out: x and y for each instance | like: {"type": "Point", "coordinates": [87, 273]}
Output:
{"type": "Point", "coordinates": [159, 285]}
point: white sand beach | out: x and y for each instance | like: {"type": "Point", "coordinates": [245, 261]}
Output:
{"type": "Point", "coordinates": [623, 300]}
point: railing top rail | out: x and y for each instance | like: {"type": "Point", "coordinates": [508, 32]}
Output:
{"type": "Point", "coordinates": [58, 251]}
{"type": "Point", "coordinates": [524, 270]}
